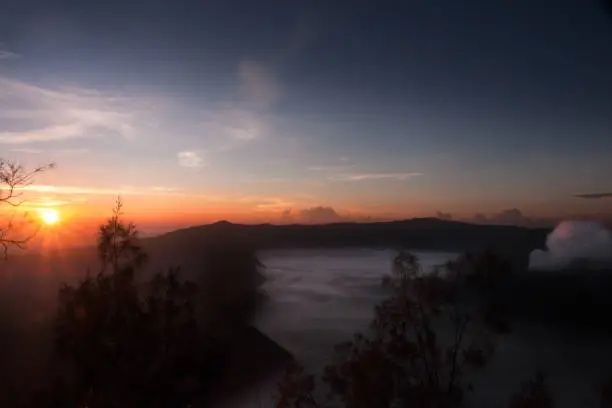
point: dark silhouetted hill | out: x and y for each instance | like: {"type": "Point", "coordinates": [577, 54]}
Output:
{"type": "Point", "coordinates": [418, 233]}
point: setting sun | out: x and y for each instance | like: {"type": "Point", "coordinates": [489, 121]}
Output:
{"type": "Point", "coordinates": [50, 216]}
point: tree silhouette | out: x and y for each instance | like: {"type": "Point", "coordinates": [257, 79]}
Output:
{"type": "Point", "coordinates": [13, 178]}
{"type": "Point", "coordinates": [484, 275]}
{"type": "Point", "coordinates": [230, 281]}
{"type": "Point", "coordinates": [533, 394]}
{"type": "Point", "coordinates": [406, 359]}
{"type": "Point", "coordinates": [118, 243]}
{"type": "Point", "coordinates": [129, 345]}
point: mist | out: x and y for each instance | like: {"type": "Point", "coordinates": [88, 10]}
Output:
{"type": "Point", "coordinates": [571, 241]}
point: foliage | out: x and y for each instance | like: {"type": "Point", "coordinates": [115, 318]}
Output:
{"type": "Point", "coordinates": [118, 243]}
{"type": "Point", "coordinates": [231, 281]}
{"type": "Point", "coordinates": [407, 359]}
{"type": "Point", "coordinates": [484, 275]}
{"type": "Point", "coordinates": [296, 389]}
{"type": "Point", "coordinates": [533, 394]}
{"type": "Point", "coordinates": [130, 345]}
{"type": "Point", "coordinates": [13, 179]}
{"type": "Point", "coordinates": [484, 272]}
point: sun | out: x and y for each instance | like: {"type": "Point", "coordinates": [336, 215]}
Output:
{"type": "Point", "coordinates": [50, 216]}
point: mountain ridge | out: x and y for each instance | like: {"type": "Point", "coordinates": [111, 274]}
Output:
{"type": "Point", "coordinates": [416, 233]}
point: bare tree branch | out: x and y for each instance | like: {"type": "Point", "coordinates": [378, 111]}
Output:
{"type": "Point", "coordinates": [13, 179]}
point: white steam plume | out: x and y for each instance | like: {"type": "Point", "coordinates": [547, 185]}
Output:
{"type": "Point", "coordinates": [574, 240]}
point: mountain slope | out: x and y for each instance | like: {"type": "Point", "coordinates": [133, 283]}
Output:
{"type": "Point", "coordinates": [418, 233]}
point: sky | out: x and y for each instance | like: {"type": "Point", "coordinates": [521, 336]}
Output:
{"type": "Point", "coordinates": [310, 111]}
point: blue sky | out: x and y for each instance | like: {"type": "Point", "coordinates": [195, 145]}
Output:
{"type": "Point", "coordinates": [373, 108]}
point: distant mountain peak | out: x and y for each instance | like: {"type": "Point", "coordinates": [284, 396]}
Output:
{"type": "Point", "coordinates": [222, 222]}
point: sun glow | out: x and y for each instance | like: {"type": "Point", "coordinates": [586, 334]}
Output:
{"type": "Point", "coordinates": [50, 216]}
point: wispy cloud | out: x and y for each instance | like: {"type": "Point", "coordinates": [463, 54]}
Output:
{"type": "Point", "coordinates": [268, 203]}
{"type": "Point", "coordinates": [26, 150]}
{"type": "Point", "coordinates": [320, 215]}
{"type": "Point", "coordinates": [512, 216]}
{"type": "Point", "coordinates": [6, 55]}
{"type": "Point", "coordinates": [190, 159]}
{"type": "Point", "coordinates": [261, 87]}
{"type": "Point", "coordinates": [163, 189]}
{"type": "Point", "coordinates": [330, 167]}
{"type": "Point", "coordinates": [81, 150]}
{"type": "Point", "coordinates": [270, 180]}
{"type": "Point", "coordinates": [42, 188]}
{"type": "Point", "coordinates": [232, 127]}
{"type": "Point", "coordinates": [49, 134]}
{"type": "Point", "coordinates": [375, 176]}
{"type": "Point", "coordinates": [246, 120]}
{"type": "Point", "coordinates": [44, 203]}
{"type": "Point", "coordinates": [46, 115]}
{"type": "Point", "coordinates": [79, 190]}
{"type": "Point", "coordinates": [594, 196]}
{"type": "Point", "coordinates": [61, 152]}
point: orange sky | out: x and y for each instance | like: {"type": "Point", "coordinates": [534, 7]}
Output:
{"type": "Point", "coordinates": [469, 116]}
{"type": "Point", "coordinates": [156, 210]}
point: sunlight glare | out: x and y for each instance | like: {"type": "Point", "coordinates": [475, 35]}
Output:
{"type": "Point", "coordinates": [50, 216]}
